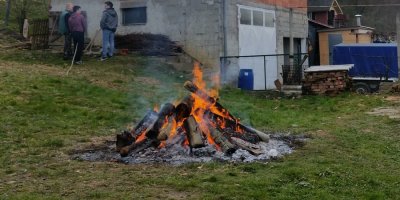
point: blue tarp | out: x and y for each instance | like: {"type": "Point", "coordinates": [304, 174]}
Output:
{"type": "Point", "coordinates": [370, 60]}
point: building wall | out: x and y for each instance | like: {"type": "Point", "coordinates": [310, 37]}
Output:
{"type": "Point", "coordinates": [194, 24]}
{"type": "Point", "coordinates": [348, 38]}
{"type": "Point", "coordinates": [198, 24]}
{"type": "Point", "coordinates": [321, 17]}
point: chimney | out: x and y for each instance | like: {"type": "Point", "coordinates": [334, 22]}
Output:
{"type": "Point", "coordinates": [358, 18]}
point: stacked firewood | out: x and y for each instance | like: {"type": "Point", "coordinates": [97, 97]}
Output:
{"type": "Point", "coordinates": [326, 82]}
{"type": "Point", "coordinates": [208, 125]}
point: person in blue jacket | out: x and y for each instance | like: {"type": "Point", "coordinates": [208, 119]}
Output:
{"type": "Point", "coordinates": [108, 25]}
{"type": "Point", "coordinates": [63, 28]}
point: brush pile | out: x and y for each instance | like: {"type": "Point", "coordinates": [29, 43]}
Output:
{"type": "Point", "coordinates": [148, 44]}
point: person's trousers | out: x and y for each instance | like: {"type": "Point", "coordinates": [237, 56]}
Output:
{"type": "Point", "coordinates": [79, 39]}
{"type": "Point", "coordinates": [68, 46]}
{"type": "Point", "coordinates": [108, 43]}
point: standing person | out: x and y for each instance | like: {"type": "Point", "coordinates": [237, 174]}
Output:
{"type": "Point", "coordinates": [108, 24]}
{"type": "Point", "coordinates": [63, 28]}
{"type": "Point", "coordinates": [77, 26]}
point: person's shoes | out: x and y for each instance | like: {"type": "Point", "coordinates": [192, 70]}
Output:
{"type": "Point", "coordinates": [103, 58]}
{"type": "Point", "coordinates": [109, 56]}
{"type": "Point", "coordinates": [79, 63]}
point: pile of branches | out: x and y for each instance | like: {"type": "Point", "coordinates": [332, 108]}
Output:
{"type": "Point", "coordinates": [148, 44]}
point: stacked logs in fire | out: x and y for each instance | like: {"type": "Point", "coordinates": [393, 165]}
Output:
{"type": "Point", "coordinates": [202, 119]}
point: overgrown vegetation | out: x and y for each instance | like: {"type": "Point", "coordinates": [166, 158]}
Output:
{"type": "Point", "coordinates": [23, 9]}
{"type": "Point", "coordinates": [44, 115]}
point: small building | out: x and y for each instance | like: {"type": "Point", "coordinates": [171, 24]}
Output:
{"type": "Point", "coordinates": [328, 38]}
{"type": "Point", "coordinates": [211, 29]}
{"type": "Point", "coordinates": [322, 14]}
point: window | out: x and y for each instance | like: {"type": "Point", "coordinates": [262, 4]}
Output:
{"type": "Point", "coordinates": [132, 16]}
{"type": "Point", "coordinates": [245, 16]}
{"type": "Point", "coordinates": [258, 18]}
{"type": "Point", "coordinates": [269, 20]}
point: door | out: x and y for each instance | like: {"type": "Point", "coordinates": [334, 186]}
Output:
{"type": "Point", "coordinates": [257, 36]}
{"type": "Point", "coordinates": [333, 40]}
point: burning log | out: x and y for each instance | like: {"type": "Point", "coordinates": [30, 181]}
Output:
{"type": "Point", "coordinates": [235, 124]}
{"type": "Point", "coordinates": [184, 108]}
{"type": "Point", "coordinates": [149, 126]}
{"type": "Point", "coordinates": [194, 133]}
{"type": "Point", "coordinates": [226, 147]}
{"type": "Point", "coordinates": [166, 131]}
{"type": "Point", "coordinates": [166, 111]}
{"type": "Point", "coordinates": [191, 87]}
{"type": "Point", "coordinates": [127, 138]}
{"type": "Point", "coordinates": [252, 148]}
{"type": "Point", "coordinates": [146, 124]}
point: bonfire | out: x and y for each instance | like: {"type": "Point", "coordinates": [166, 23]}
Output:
{"type": "Point", "coordinates": [197, 121]}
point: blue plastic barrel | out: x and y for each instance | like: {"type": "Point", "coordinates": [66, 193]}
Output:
{"type": "Point", "coordinates": [246, 79]}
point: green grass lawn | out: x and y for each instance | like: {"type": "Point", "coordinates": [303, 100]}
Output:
{"type": "Point", "coordinates": [44, 115]}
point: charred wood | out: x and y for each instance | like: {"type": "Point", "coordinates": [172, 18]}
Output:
{"type": "Point", "coordinates": [166, 111]}
{"type": "Point", "coordinates": [226, 146]}
{"type": "Point", "coordinates": [137, 147]}
{"type": "Point", "coordinates": [193, 133]}
{"type": "Point", "coordinates": [252, 148]}
{"type": "Point", "coordinates": [235, 124]}
{"type": "Point", "coordinates": [124, 139]}
{"type": "Point", "coordinates": [184, 108]}
{"type": "Point", "coordinates": [166, 130]}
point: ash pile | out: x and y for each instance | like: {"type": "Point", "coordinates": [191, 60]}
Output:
{"type": "Point", "coordinates": [196, 129]}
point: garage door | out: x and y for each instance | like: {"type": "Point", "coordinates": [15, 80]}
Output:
{"type": "Point", "coordinates": [257, 36]}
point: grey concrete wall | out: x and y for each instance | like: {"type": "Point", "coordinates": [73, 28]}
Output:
{"type": "Point", "coordinates": [195, 24]}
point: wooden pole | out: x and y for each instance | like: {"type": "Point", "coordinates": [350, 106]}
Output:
{"type": "Point", "coordinates": [73, 59]}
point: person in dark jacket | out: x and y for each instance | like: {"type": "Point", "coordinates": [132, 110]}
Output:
{"type": "Point", "coordinates": [108, 24]}
{"type": "Point", "coordinates": [77, 26]}
{"type": "Point", "coordinates": [64, 29]}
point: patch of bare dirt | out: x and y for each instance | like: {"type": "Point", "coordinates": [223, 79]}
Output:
{"type": "Point", "coordinates": [395, 99]}
{"type": "Point", "coordinates": [391, 112]}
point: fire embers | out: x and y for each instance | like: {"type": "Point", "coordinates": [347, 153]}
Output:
{"type": "Point", "coordinates": [200, 118]}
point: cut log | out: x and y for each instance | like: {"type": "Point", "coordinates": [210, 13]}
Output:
{"type": "Point", "coordinates": [127, 138]}
{"type": "Point", "coordinates": [234, 124]}
{"type": "Point", "coordinates": [184, 108]}
{"type": "Point", "coordinates": [135, 148]}
{"type": "Point", "coordinates": [166, 111]}
{"type": "Point", "coordinates": [146, 124]}
{"type": "Point", "coordinates": [226, 147]}
{"type": "Point", "coordinates": [165, 132]}
{"type": "Point", "coordinates": [193, 133]}
{"type": "Point", "coordinates": [252, 148]}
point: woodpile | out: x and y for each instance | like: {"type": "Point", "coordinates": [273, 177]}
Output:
{"type": "Point", "coordinates": [148, 44]}
{"type": "Point", "coordinates": [326, 82]}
